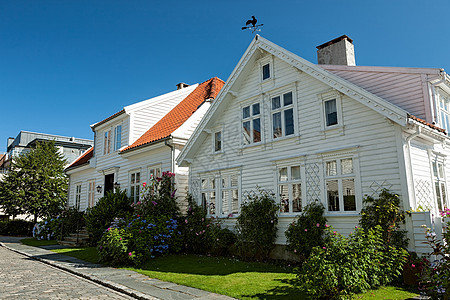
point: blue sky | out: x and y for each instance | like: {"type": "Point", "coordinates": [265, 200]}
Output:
{"type": "Point", "coordinates": [66, 64]}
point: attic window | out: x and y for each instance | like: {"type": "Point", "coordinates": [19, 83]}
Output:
{"type": "Point", "coordinates": [266, 71]}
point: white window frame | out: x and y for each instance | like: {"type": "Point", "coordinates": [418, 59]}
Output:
{"type": "Point", "coordinates": [267, 60]}
{"type": "Point", "coordinates": [222, 186]}
{"type": "Point", "coordinates": [441, 196]}
{"type": "Point", "coordinates": [250, 119]}
{"type": "Point", "coordinates": [107, 141]}
{"type": "Point", "coordinates": [323, 99]}
{"type": "Point", "coordinates": [134, 185]}
{"type": "Point", "coordinates": [214, 140]}
{"type": "Point", "coordinates": [91, 193]}
{"type": "Point", "coordinates": [339, 177]}
{"type": "Point", "coordinates": [290, 182]}
{"type": "Point", "coordinates": [117, 137]}
{"type": "Point", "coordinates": [282, 109]}
{"type": "Point", "coordinates": [154, 170]}
{"type": "Point", "coordinates": [444, 110]}
{"type": "Point", "coordinates": [77, 203]}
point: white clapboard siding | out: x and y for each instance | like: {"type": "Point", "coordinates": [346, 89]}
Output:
{"type": "Point", "coordinates": [81, 177]}
{"type": "Point", "coordinates": [376, 138]}
{"type": "Point", "coordinates": [400, 86]}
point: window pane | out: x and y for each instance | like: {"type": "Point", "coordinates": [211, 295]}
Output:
{"type": "Point", "coordinates": [225, 182]}
{"type": "Point", "coordinates": [132, 178]}
{"type": "Point", "coordinates": [284, 197]}
{"type": "Point", "coordinates": [283, 176]}
{"type": "Point", "coordinates": [435, 173]}
{"type": "Point", "coordinates": [266, 71]}
{"type": "Point", "coordinates": [256, 130]}
{"type": "Point", "coordinates": [138, 177]}
{"type": "Point", "coordinates": [444, 195]}
{"type": "Point", "coordinates": [212, 203]}
{"type": "Point", "coordinates": [137, 193]}
{"type": "Point", "coordinates": [295, 172]}
{"type": "Point", "coordinates": [255, 109]}
{"type": "Point", "coordinates": [347, 166]}
{"type": "Point", "coordinates": [234, 180]}
{"type": "Point", "coordinates": [212, 183]}
{"type": "Point", "coordinates": [276, 103]}
{"type": "Point", "coordinates": [348, 188]}
{"type": "Point", "coordinates": [441, 170]}
{"type": "Point", "coordinates": [225, 202]}
{"type": "Point", "coordinates": [438, 195]}
{"type": "Point", "coordinates": [331, 112]}
{"type": "Point", "coordinates": [204, 184]}
{"type": "Point", "coordinates": [132, 192]}
{"type": "Point", "coordinates": [287, 99]}
{"type": "Point", "coordinates": [204, 202]}
{"type": "Point", "coordinates": [297, 198]}
{"type": "Point", "coordinates": [331, 168]}
{"type": "Point", "coordinates": [277, 125]}
{"type": "Point", "coordinates": [289, 121]}
{"type": "Point", "coordinates": [333, 195]}
{"type": "Point", "coordinates": [246, 112]}
{"type": "Point", "coordinates": [218, 141]}
{"type": "Point", "coordinates": [246, 132]}
{"type": "Point", "coordinates": [235, 201]}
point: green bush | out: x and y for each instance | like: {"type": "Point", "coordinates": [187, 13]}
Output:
{"type": "Point", "coordinates": [16, 228]}
{"type": "Point", "coordinates": [257, 226]}
{"type": "Point", "coordinates": [138, 240]}
{"type": "Point", "coordinates": [204, 235]}
{"type": "Point", "coordinates": [158, 197]}
{"type": "Point", "coordinates": [307, 231]}
{"type": "Point", "coordinates": [384, 211]}
{"type": "Point", "coordinates": [69, 221]}
{"type": "Point", "coordinates": [345, 266]}
{"type": "Point", "coordinates": [112, 205]}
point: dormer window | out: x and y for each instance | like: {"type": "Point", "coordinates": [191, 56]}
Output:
{"type": "Point", "coordinates": [266, 71]}
{"type": "Point", "coordinates": [444, 108]}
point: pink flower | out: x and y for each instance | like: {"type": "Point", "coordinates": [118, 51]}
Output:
{"type": "Point", "coordinates": [306, 230]}
{"type": "Point", "coordinates": [295, 251]}
{"type": "Point", "coordinates": [324, 247]}
{"type": "Point", "coordinates": [140, 231]}
{"type": "Point", "coordinates": [413, 265]}
{"type": "Point", "coordinates": [334, 232]}
{"type": "Point", "coordinates": [326, 225]}
{"type": "Point", "coordinates": [186, 221]}
{"type": "Point", "coordinates": [203, 219]}
{"type": "Point", "coordinates": [318, 225]}
{"type": "Point", "coordinates": [120, 239]}
{"type": "Point", "coordinates": [129, 253]}
{"type": "Point", "coordinates": [144, 184]}
{"type": "Point", "coordinates": [109, 228]}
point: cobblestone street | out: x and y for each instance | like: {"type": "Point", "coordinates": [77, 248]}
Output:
{"type": "Point", "coordinates": [25, 278]}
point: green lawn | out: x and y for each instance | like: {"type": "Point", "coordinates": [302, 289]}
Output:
{"type": "Point", "coordinates": [227, 276]}
{"type": "Point", "coordinates": [35, 243]}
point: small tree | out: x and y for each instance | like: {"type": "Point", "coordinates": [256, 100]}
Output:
{"type": "Point", "coordinates": [36, 184]}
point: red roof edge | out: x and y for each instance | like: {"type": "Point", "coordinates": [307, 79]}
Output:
{"type": "Point", "coordinates": [83, 159]}
{"type": "Point", "coordinates": [412, 117]}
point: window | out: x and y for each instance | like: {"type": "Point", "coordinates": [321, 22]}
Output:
{"type": "Point", "coordinates": [340, 185]}
{"type": "Point", "coordinates": [266, 71]}
{"type": "Point", "coordinates": [289, 189]}
{"type": "Point", "coordinates": [439, 184]}
{"type": "Point", "coordinates": [107, 142]}
{"type": "Point", "coordinates": [135, 181]}
{"type": "Point", "coordinates": [282, 115]}
{"type": "Point", "coordinates": [154, 172]}
{"type": "Point", "coordinates": [331, 112]}
{"type": "Point", "coordinates": [230, 194]}
{"type": "Point", "coordinates": [251, 124]}
{"type": "Point", "coordinates": [220, 194]}
{"type": "Point", "coordinates": [218, 141]}
{"type": "Point", "coordinates": [444, 108]}
{"type": "Point", "coordinates": [117, 137]}
{"type": "Point", "coordinates": [77, 196]}
{"type": "Point", "coordinates": [91, 193]}
{"type": "Point", "coordinates": [208, 194]}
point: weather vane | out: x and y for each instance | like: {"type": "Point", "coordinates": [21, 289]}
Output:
{"type": "Point", "coordinates": [251, 24]}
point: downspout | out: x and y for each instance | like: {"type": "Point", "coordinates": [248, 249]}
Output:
{"type": "Point", "coordinates": [408, 144]}
{"type": "Point", "coordinates": [172, 148]}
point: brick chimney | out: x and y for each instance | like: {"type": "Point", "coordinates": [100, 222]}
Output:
{"type": "Point", "coordinates": [182, 85]}
{"type": "Point", "coordinates": [339, 51]}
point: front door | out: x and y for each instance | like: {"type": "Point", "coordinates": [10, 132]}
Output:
{"type": "Point", "coordinates": [109, 183]}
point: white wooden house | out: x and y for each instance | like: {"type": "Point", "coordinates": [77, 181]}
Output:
{"type": "Point", "coordinates": [331, 132]}
{"type": "Point", "coordinates": [141, 140]}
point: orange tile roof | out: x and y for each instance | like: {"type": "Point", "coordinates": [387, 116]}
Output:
{"type": "Point", "coordinates": [412, 117]}
{"type": "Point", "coordinates": [180, 113]}
{"type": "Point", "coordinates": [83, 159]}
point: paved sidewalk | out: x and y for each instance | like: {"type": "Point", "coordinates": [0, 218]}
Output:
{"type": "Point", "coordinates": [124, 281]}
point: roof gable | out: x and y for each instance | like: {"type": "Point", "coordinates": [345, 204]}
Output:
{"type": "Point", "coordinates": [246, 62]}
{"type": "Point", "coordinates": [179, 114]}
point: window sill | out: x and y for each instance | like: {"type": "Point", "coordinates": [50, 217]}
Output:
{"type": "Point", "coordinates": [333, 130]}
{"type": "Point", "coordinates": [284, 138]}
{"type": "Point", "coordinates": [342, 214]}
{"type": "Point", "coordinates": [289, 215]}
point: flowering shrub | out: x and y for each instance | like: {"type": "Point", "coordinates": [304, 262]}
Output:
{"type": "Point", "coordinates": [307, 231]}
{"type": "Point", "coordinates": [110, 206]}
{"type": "Point", "coordinates": [138, 240]}
{"type": "Point", "coordinates": [202, 234]}
{"type": "Point", "coordinates": [257, 226]}
{"type": "Point", "coordinates": [158, 197]}
{"type": "Point", "coordinates": [436, 276]}
{"type": "Point", "coordinates": [60, 226]}
{"type": "Point", "coordinates": [384, 211]}
{"type": "Point", "coordinates": [344, 266]}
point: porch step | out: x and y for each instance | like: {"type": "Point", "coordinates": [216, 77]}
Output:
{"type": "Point", "coordinates": [79, 239]}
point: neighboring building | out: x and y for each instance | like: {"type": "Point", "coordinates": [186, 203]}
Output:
{"type": "Point", "coordinates": [70, 147]}
{"type": "Point", "coordinates": [140, 141]}
{"type": "Point", "coordinates": [332, 133]}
